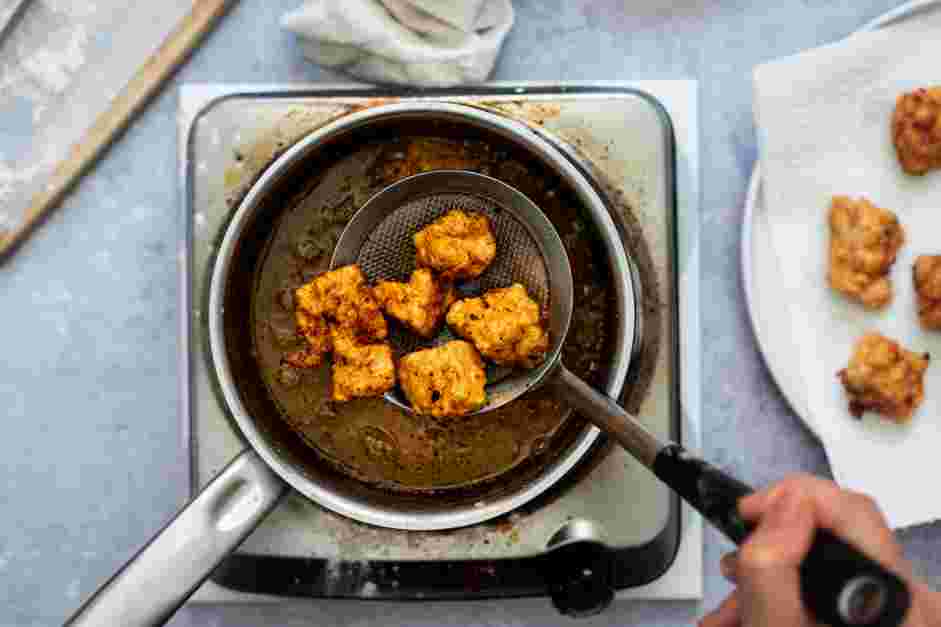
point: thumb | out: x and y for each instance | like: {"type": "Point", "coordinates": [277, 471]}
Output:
{"type": "Point", "coordinates": [768, 563]}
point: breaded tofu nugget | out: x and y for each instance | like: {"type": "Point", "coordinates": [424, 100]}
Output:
{"type": "Point", "coordinates": [420, 303]}
{"type": "Point", "coordinates": [447, 380]}
{"type": "Point", "coordinates": [315, 330]}
{"type": "Point", "coordinates": [916, 130]}
{"type": "Point", "coordinates": [885, 378]}
{"type": "Point", "coordinates": [360, 370]}
{"type": "Point", "coordinates": [343, 298]}
{"type": "Point", "coordinates": [457, 245]}
{"type": "Point", "coordinates": [504, 324]}
{"type": "Point", "coordinates": [927, 276]}
{"type": "Point", "coordinates": [864, 241]}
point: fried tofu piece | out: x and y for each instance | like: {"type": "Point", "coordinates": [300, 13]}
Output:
{"type": "Point", "coordinates": [457, 245]}
{"type": "Point", "coordinates": [504, 324]}
{"type": "Point", "coordinates": [340, 299]}
{"type": "Point", "coordinates": [315, 330]}
{"type": "Point", "coordinates": [343, 298]}
{"type": "Point", "coordinates": [916, 130]}
{"type": "Point", "coordinates": [337, 311]}
{"type": "Point", "coordinates": [447, 380]}
{"type": "Point", "coordinates": [420, 303]}
{"type": "Point", "coordinates": [885, 378]}
{"type": "Point", "coordinates": [360, 370]}
{"type": "Point", "coordinates": [927, 277]}
{"type": "Point", "coordinates": [864, 241]}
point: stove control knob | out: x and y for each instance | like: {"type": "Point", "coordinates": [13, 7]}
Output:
{"type": "Point", "coordinates": [579, 572]}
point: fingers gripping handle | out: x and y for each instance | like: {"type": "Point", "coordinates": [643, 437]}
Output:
{"type": "Point", "coordinates": [840, 585]}
{"type": "Point", "coordinates": [844, 587]}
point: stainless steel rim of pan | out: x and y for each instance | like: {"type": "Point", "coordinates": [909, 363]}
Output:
{"type": "Point", "coordinates": [352, 504]}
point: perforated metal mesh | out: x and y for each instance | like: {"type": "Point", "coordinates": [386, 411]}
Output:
{"type": "Point", "coordinates": [389, 254]}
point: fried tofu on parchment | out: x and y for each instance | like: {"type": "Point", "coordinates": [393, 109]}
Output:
{"type": "Point", "coordinates": [927, 277]}
{"type": "Point", "coordinates": [458, 245]}
{"type": "Point", "coordinates": [885, 378]}
{"type": "Point", "coordinates": [864, 241]}
{"type": "Point", "coordinates": [504, 324]}
{"type": "Point", "coordinates": [420, 304]}
{"type": "Point", "coordinates": [447, 380]}
{"type": "Point", "coordinates": [360, 370]}
{"type": "Point", "coordinates": [916, 130]}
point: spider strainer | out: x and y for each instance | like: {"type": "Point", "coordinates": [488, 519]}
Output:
{"type": "Point", "coordinates": [529, 251]}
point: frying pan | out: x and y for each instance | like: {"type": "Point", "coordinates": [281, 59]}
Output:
{"type": "Point", "coordinates": [838, 583]}
{"type": "Point", "coordinates": [159, 578]}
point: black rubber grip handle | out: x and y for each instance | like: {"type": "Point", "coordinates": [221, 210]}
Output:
{"type": "Point", "coordinates": [840, 585]}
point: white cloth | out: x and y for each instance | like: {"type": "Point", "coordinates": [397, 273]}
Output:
{"type": "Point", "coordinates": [823, 120]}
{"type": "Point", "coordinates": [415, 42]}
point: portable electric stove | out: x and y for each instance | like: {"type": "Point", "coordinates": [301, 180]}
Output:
{"type": "Point", "coordinates": [620, 135]}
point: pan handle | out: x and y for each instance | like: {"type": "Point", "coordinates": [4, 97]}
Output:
{"type": "Point", "coordinates": [150, 587]}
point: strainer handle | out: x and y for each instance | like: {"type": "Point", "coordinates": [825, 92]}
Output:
{"type": "Point", "coordinates": [609, 416]}
{"type": "Point", "coordinates": [840, 585]}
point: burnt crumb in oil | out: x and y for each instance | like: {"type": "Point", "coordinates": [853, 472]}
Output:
{"type": "Point", "coordinates": [284, 333]}
{"type": "Point", "coordinates": [325, 409]}
{"type": "Point", "coordinates": [316, 244]}
{"type": "Point", "coordinates": [285, 299]}
{"type": "Point", "coordinates": [308, 249]}
{"type": "Point", "coordinates": [288, 375]}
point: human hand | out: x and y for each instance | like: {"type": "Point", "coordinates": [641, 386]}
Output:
{"type": "Point", "coordinates": [787, 515]}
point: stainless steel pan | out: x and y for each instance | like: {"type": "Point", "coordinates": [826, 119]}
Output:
{"type": "Point", "coordinates": [164, 573]}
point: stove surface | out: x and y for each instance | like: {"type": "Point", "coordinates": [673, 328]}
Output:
{"type": "Point", "coordinates": [229, 133]}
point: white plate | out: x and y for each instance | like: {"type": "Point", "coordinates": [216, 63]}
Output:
{"type": "Point", "coordinates": [760, 272]}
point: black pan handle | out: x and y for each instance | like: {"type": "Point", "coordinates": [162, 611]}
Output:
{"type": "Point", "coordinates": [840, 585]}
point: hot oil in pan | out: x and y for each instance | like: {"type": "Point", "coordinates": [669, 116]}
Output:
{"type": "Point", "coordinates": [369, 438]}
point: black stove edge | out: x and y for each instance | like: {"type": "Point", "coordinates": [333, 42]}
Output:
{"type": "Point", "coordinates": [456, 579]}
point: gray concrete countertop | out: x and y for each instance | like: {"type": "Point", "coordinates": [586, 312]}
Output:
{"type": "Point", "coordinates": [93, 460]}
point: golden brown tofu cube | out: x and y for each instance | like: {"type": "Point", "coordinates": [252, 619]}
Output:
{"type": "Point", "coordinates": [315, 330]}
{"type": "Point", "coordinates": [420, 303]}
{"type": "Point", "coordinates": [360, 370]}
{"type": "Point", "coordinates": [864, 241]}
{"type": "Point", "coordinates": [343, 298]}
{"type": "Point", "coordinates": [927, 276]}
{"type": "Point", "coordinates": [504, 324]}
{"type": "Point", "coordinates": [457, 245]}
{"type": "Point", "coordinates": [447, 380]}
{"type": "Point", "coordinates": [916, 130]}
{"type": "Point", "coordinates": [885, 378]}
